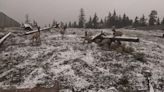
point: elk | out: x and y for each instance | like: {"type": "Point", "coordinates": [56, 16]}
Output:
{"type": "Point", "coordinates": [62, 31]}
{"type": "Point", "coordinates": [36, 36]}
{"type": "Point", "coordinates": [116, 33]}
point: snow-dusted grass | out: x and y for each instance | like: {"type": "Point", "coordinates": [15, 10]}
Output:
{"type": "Point", "coordinates": [83, 67]}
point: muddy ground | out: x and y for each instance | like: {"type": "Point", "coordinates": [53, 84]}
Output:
{"type": "Point", "coordinates": [82, 67]}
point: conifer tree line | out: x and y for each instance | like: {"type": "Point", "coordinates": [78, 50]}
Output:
{"type": "Point", "coordinates": [113, 19]}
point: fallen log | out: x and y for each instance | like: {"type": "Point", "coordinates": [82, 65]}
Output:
{"type": "Point", "coordinates": [97, 36]}
{"type": "Point", "coordinates": [31, 32]}
{"type": "Point", "coordinates": [101, 36]}
{"type": "Point", "coordinates": [121, 38]}
{"type": "Point", "coordinates": [4, 38]}
{"type": "Point", "coordinates": [159, 36]}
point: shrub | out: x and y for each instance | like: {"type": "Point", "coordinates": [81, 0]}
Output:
{"type": "Point", "coordinates": [140, 57]}
{"type": "Point", "coordinates": [128, 49]}
{"type": "Point", "coordinates": [122, 48]}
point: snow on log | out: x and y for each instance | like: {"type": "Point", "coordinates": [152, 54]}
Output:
{"type": "Point", "coordinates": [97, 36]}
{"type": "Point", "coordinates": [121, 38]}
{"type": "Point", "coordinates": [4, 38]}
{"type": "Point", "coordinates": [27, 27]}
{"type": "Point", "coordinates": [30, 32]}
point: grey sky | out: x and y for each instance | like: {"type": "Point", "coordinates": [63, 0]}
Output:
{"type": "Point", "coordinates": [44, 11]}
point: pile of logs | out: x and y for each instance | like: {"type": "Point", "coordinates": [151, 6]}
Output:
{"type": "Point", "coordinates": [102, 36]}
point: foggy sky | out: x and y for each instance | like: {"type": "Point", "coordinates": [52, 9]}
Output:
{"type": "Point", "coordinates": [44, 11]}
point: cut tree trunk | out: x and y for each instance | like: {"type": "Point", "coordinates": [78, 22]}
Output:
{"type": "Point", "coordinates": [31, 32]}
{"type": "Point", "coordinates": [4, 38]}
{"type": "Point", "coordinates": [120, 38]}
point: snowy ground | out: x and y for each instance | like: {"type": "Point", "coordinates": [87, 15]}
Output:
{"type": "Point", "coordinates": [85, 68]}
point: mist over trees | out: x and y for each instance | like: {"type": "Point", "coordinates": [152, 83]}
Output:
{"type": "Point", "coordinates": [117, 20]}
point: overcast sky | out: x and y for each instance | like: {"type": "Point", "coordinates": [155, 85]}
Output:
{"type": "Point", "coordinates": [44, 11]}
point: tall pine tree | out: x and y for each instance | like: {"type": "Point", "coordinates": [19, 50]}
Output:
{"type": "Point", "coordinates": [82, 18]}
{"type": "Point", "coordinates": [136, 22]}
{"type": "Point", "coordinates": [143, 21]}
{"type": "Point", "coordinates": [162, 22]}
{"type": "Point", "coordinates": [108, 20]}
{"type": "Point", "coordinates": [95, 21]}
{"type": "Point", "coordinates": [89, 23]}
{"type": "Point", "coordinates": [152, 17]}
{"type": "Point", "coordinates": [158, 21]}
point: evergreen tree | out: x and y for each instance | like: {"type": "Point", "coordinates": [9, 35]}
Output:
{"type": "Point", "coordinates": [35, 24]}
{"type": "Point", "coordinates": [89, 23]}
{"type": "Point", "coordinates": [105, 22]}
{"type": "Point", "coordinates": [162, 22]}
{"type": "Point", "coordinates": [158, 21]}
{"type": "Point", "coordinates": [124, 20]}
{"type": "Point", "coordinates": [81, 18]}
{"type": "Point", "coordinates": [70, 25]}
{"type": "Point", "coordinates": [54, 23]}
{"type": "Point", "coordinates": [66, 25]}
{"type": "Point", "coordinates": [143, 21]}
{"type": "Point", "coordinates": [113, 19]}
{"type": "Point", "coordinates": [136, 22]}
{"type": "Point", "coordinates": [152, 17]}
{"type": "Point", "coordinates": [75, 25]}
{"type": "Point", "coordinates": [108, 20]}
{"type": "Point", "coordinates": [120, 23]}
{"type": "Point", "coordinates": [114, 14]}
{"type": "Point", "coordinates": [27, 19]}
{"type": "Point", "coordinates": [95, 21]}
{"type": "Point", "coordinates": [101, 25]}
{"type": "Point", "coordinates": [61, 24]}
